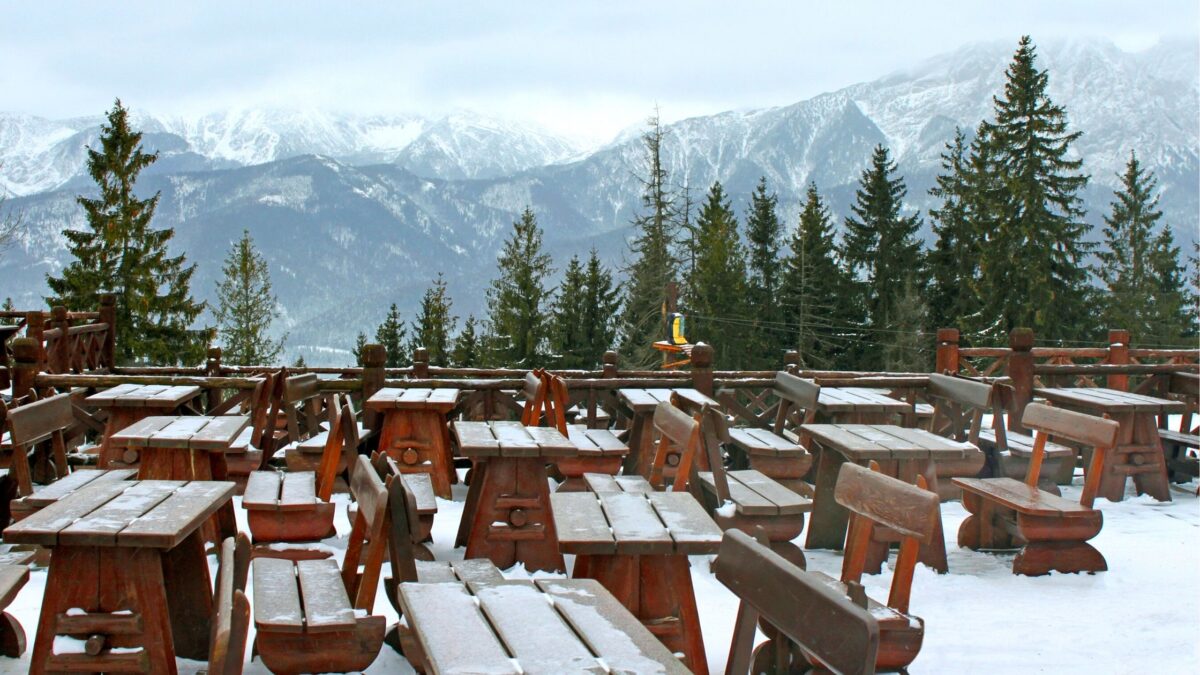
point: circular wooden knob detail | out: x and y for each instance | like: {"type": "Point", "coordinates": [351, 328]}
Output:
{"type": "Point", "coordinates": [673, 459]}
{"type": "Point", "coordinates": [518, 517]}
{"type": "Point", "coordinates": [130, 456]}
{"type": "Point", "coordinates": [410, 456]}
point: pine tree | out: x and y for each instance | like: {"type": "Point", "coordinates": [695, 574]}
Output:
{"type": "Point", "coordinates": [599, 310]}
{"type": "Point", "coordinates": [566, 331]}
{"type": "Point", "coordinates": [907, 349]}
{"type": "Point", "coordinates": [881, 252]}
{"type": "Point", "coordinates": [954, 260]}
{"type": "Point", "coordinates": [299, 362]}
{"type": "Point", "coordinates": [360, 342]}
{"type": "Point", "coordinates": [120, 253]}
{"type": "Point", "coordinates": [716, 291]}
{"type": "Point", "coordinates": [653, 265]}
{"type": "Point", "coordinates": [8, 307]}
{"type": "Point", "coordinates": [1033, 263]}
{"type": "Point", "coordinates": [434, 324]}
{"type": "Point", "coordinates": [764, 231]}
{"type": "Point", "coordinates": [518, 298]}
{"type": "Point", "coordinates": [813, 286]}
{"type": "Point", "coordinates": [1139, 267]}
{"type": "Point", "coordinates": [467, 351]}
{"type": "Point", "coordinates": [391, 334]}
{"type": "Point", "coordinates": [246, 307]}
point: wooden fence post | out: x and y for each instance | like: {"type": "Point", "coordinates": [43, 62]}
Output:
{"type": "Point", "coordinates": [420, 363]}
{"type": "Point", "coordinates": [108, 315]}
{"type": "Point", "coordinates": [610, 361]}
{"type": "Point", "coordinates": [25, 365]}
{"type": "Point", "coordinates": [702, 369]}
{"type": "Point", "coordinates": [1020, 371]}
{"type": "Point", "coordinates": [60, 359]}
{"type": "Point", "coordinates": [35, 328]}
{"type": "Point", "coordinates": [1118, 354]}
{"type": "Point", "coordinates": [791, 361]}
{"type": "Point", "coordinates": [374, 360]}
{"type": "Point", "coordinates": [947, 351]}
{"type": "Point", "coordinates": [212, 368]}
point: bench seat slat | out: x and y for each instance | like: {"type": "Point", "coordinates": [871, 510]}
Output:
{"type": "Point", "coordinates": [299, 491]}
{"type": "Point", "coordinates": [787, 501]}
{"type": "Point", "coordinates": [262, 491]}
{"type": "Point", "coordinates": [746, 501]}
{"type": "Point", "coordinates": [326, 605]}
{"type": "Point", "coordinates": [1023, 498]}
{"type": "Point", "coordinates": [276, 600]}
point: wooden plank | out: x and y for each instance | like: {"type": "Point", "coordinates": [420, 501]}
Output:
{"type": "Point", "coordinates": [607, 441]}
{"type": "Point", "coordinates": [674, 424]}
{"type": "Point", "coordinates": [905, 508]}
{"type": "Point", "coordinates": [746, 501]}
{"type": "Point", "coordinates": [477, 571]}
{"type": "Point", "coordinates": [583, 443]}
{"type": "Point", "coordinates": [475, 439]}
{"type": "Point", "coordinates": [1079, 398]}
{"type": "Point", "coordinates": [896, 447]}
{"type": "Point", "coordinates": [837, 437]}
{"type": "Point", "coordinates": [299, 492]}
{"type": "Point", "coordinates": [551, 442]}
{"type": "Point", "coordinates": [939, 447]}
{"type": "Point", "coordinates": [1079, 427]}
{"type": "Point", "coordinates": [43, 526]}
{"type": "Point", "coordinates": [421, 485]}
{"type": "Point", "coordinates": [1018, 496]}
{"type": "Point", "coordinates": [108, 396]}
{"type": "Point", "coordinates": [694, 398]}
{"type": "Point", "coordinates": [172, 397]}
{"type": "Point", "coordinates": [262, 491]}
{"type": "Point", "coordinates": [452, 631]}
{"type": "Point", "coordinates": [514, 440]}
{"type": "Point", "coordinates": [276, 596]}
{"type": "Point", "coordinates": [172, 520]}
{"type": "Point", "coordinates": [102, 526]}
{"type": "Point", "coordinates": [434, 572]}
{"type": "Point", "coordinates": [219, 432]}
{"type": "Point", "coordinates": [601, 482]}
{"type": "Point", "coordinates": [693, 532]}
{"type": "Point", "coordinates": [383, 399]}
{"type": "Point", "coordinates": [609, 629]}
{"type": "Point", "coordinates": [636, 484]}
{"type": "Point", "coordinates": [74, 481]}
{"type": "Point", "coordinates": [581, 525]}
{"type": "Point", "coordinates": [35, 421]}
{"type": "Point", "coordinates": [637, 400]}
{"type": "Point", "coordinates": [801, 392]}
{"type": "Point", "coordinates": [787, 501]}
{"type": "Point", "coordinates": [533, 632]}
{"type": "Point", "coordinates": [137, 435]}
{"type": "Point", "coordinates": [636, 527]}
{"type": "Point", "coordinates": [326, 605]}
{"type": "Point", "coordinates": [177, 434]}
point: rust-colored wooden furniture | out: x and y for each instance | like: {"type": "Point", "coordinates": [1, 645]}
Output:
{"type": "Point", "coordinates": [1052, 532]}
{"type": "Point", "coordinates": [23, 507]}
{"type": "Point", "coordinates": [638, 406]}
{"type": "Point", "coordinates": [127, 567]}
{"type": "Point", "coordinates": [547, 626]}
{"type": "Point", "coordinates": [777, 452]}
{"type": "Point", "coordinates": [324, 633]}
{"type": "Point", "coordinates": [1138, 452]}
{"type": "Point", "coordinates": [129, 403]}
{"type": "Point", "coordinates": [181, 448]}
{"type": "Point", "coordinates": [859, 405]}
{"type": "Point", "coordinates": [507, 516]}
{"type": "Point", "coordinates": [420, 503]}
{"type": "Point", "coordinates": [231, 609]}
{"type": "Point", "coordinates": [903, 453]}
{"type": "Point", "coordinates": [39, 423]}
{"type": "Point", "coordinates": [255, 445]}
{"type": "Point", "coordinates": [600, 451]}
{"type": "Point", "coordinates": [415, 434]}
{"type": "Point", "coordinates": [636, 544]}
{"type": "Point", "coordinates": [1180, 446]}
{"type": "Point", "coordinates": [959, 405]}
{"type": "Point", "coordinates": [12, 636]}
{"type": "Point", "coordinates": [791, 605]}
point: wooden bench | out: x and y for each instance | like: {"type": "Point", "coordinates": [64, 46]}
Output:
{"type": "Point", "coordinates": [600, 451]}
{"type": "Point", "coordinates": [310, 413]}
{"type": "Point", "coordinates": [31, 428]}
{"type": "Point", "coordinates": [959, 405]}
{"type": "Point", "coordinates": [1180, 446]}
{"type": "Point", "coordinates": [678, 448]}
{"type": "Point", "coordinates": [1052, 532]}
{"type": "Point", "coordinates": [747, 499]}
{"type": "Point", "coordinates": [12, 636]}
{"type": "Point", "coordinates": [793, 606]}
{"type": "Point", "coordinates": [304, 611]}
{"type": "Point", "coordinates": [777, 452]}
{"type": "Point", "coordinates": [231, 609]}
{"type": "Point", "coordinates": [255, 445]}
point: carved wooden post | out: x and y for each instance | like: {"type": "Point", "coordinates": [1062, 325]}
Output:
{"type": "Point", "coordinates": [1118, 354]}
{"type": "Point", "coordinates": [108, 315]}
{"type": "Point", "coordinates": [60, 359]}
{"type": "Point", "coordinates": [610, 361]}
{"type": "Point", "coordinates": [420, 363]}
{"type": "Point", "coordinates": [1020, 371]}
{"type": "Point", "coordinates": [212, 368]}
{"type": "Point", "coordinates": [35, 329]}
{"type": "Point", "coordinates": [374, 359]}
{"type": "Point", "coordinates": [25, 365]}
{"type": "Point", "coordinates": [947, 351]}
{"type": "Point", "coordinates": [791, 361]}
{"type": "Point", "coordinates": [702, 368]}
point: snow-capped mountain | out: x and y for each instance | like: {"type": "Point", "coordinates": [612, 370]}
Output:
{"type": "Point", "coordinates": [356, 212]}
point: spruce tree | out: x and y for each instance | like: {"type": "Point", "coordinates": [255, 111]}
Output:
{"type": "Point", "coordinates": [954, 260]}
{"type": "Point", "coordinates": [764, 231]}
{"type": "Point", "coordinates": [467, 351]}
{"type": "Point", "coordinates": [120, 253]}
{"type": "Point", "coordinates": [907, 348]}
{"type": "Point", "coordinates": [601, 301]}
{"type": "Point", "coordinates": [360, 342]}
{"type": "Point", "coordinates": [8, 307]}
{"type": "Point", "coordinates": [1140, 266]}
{"type": "Point", "coordinates": [716, 289]}
{"type": "Point", "coordinates": [653, 265]}
{"type": "Point", "coordinates": [434, 324]}
{"type": "Point", "coordinates": [567, 329]}
{"type": "Point", "coordinates": [519, 299]}
{"type": "Point", "coordinates": [391, 334]}
{"type": "Point", "coordinates": [815, 289]}
{"type": "Point", "coordinates": [1033, 263]}
{"type": "Point", "coordinates": [881, 252]}
{"type": "Point", "coordinates": [246, 307]}
{"type": "Point", "coordinates": [299, 362]}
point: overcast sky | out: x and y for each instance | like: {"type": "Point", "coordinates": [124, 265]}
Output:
{"type": "Point", "coordinates": [587, 69]}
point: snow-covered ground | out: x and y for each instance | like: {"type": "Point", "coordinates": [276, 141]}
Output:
{"type": "Point", "coordinates": [1142, 616]}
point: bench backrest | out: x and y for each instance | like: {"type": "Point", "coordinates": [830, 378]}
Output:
{"type": "Point", "coordinates": [714, 432]}
{"type": "Point", "coordinates": [796, 395]}
{"type": "Point", "coordinates": [368, 540]}
{"type": "Point", "coordinates": [342, 438]}
{"type": "Point", "coordinates": [1185, 386]}
{"type": "Point", "coordinates": [827, 624]}
{"type": "Point", "coordinates": [875, 499]}
{"type": "Point", "coordinates": [41, 420]}
{"type": "Point", "coordinates": [1098, 432]}
{"type": "Point", "coordinates": [303, 403]}
{"type": "Point", "coordinates": [959, 405]}
{"type": "Point", "coordinates": [231, 609]}
{"type": "Point", "coordinates": [677, 429]}
{"type": "Point", "coordinates": [265, 404]}
{"type": "Point", "coordinates": [402, 508]}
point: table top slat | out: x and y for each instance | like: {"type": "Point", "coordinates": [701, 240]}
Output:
{"type": "Point", "coordinates": [533, 631]}
{"type": "Point", "coordinates": [475, 439]}
{"type": "Point", "coordinates": [101, 526]}
{"type": "Point", "coordinates": [418, 398]}
{"type": "Point", "coordinates": [637, 400]}
{"type": "Point", "coordinates": [453, 633]}
{"type": "Point", "coordinates": [693, 531]}
{"type": "Point", "coordinates": [788, 502]}
{"type": "Point", "coordinates": [939, 447]}
{"type": "Point", "coordinates": [550, 442]}
{"type": "Point", "coordinates": [514, 440]}
{"type": "Point", "coordinates": [137, 435]}
{"type": "Point", "coordinates": [219, 433]}
{"type": "Point", "coordinates": [176, 517]}
{"type": "Point", "coordinates": [1102, 399]}
{"type": "Point", "coordinates": [276, 598]}
{"type": "Point", "coordinates": [326, 605]}
{"type": "Point", "coordinates": [580, 523]}
{"type": "Point", "coordinates": [42, 527]}
{"type": "Point", "coordinates": [178, 433]}
{"type": "Point", "coordinates": [75, 480]}
{"type": "Point", "coordinates": [606, 441]}
{"type": "Point", "coordinates": [635, 525]}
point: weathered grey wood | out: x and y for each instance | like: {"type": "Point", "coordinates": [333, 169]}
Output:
{"type": "Point", "coordinates": [693, 532]}
{"type": "Point", "coordinates": [785, 500]}
{"type": "Point", "coordinates": [262, 491]}
{"type": "Point", "coordinates": [299, 491]}
{"type": "Point", "coordinates": [219, 432]}
{"type": "Point", "coordinates": [166, 525]}
{"type": "Point", "coordinates": [74, 481]}
{"type": "Point", "coordinates": [101, 526]}
{"type": "Point", "coordinates": [42, 528]}
{"type": "Point", "coordinates": [454, 635]}
{"type": "Point", "coordinates": [533, 632]}
{"type": "Point", "coordinates": [326, 605]}
{"type": "Point", "coordinates": [581, 525]}
{"type": "Point", "coordinates": [475, 439]}
{"type": "Point", "coordinates": [276, 596]}
{"type": "Point", "coordinates": [1089, 429]}
{"type": "Point", "coordinates": [1027, 499]}
{"type": "Point", "coordinates": [421, 487]}
{"type": "Point", "coordinates": [635, 525]}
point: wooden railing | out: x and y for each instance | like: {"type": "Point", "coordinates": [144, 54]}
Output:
{"type": "Point", "coordinates": [67, 342]}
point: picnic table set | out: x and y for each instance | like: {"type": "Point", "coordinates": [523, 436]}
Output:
{"type": "Point", "coordinates": [127, 541]}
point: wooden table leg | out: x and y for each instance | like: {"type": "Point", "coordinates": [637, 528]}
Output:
{"type": "Point", "coordinates": [1155, 482]}
{"type": "Point", "coordinates": [119, 417]}
{"type": "Point", "coordinates": [189, 592]}
{"type": "Point", "coordinates": [478, 476]}
{"type": "Point", "coordinates": [419, 442]}
{"type": "Point", "coordinates": [934, 554]}
{"type": "Point", "coordinates": [512, 521]}
{"type": "Point", "coordinates": [827, 527]}
{"type": "Point", "coordinates": [635, 461]}
{"type": "Point", "coordinates": [1112, 484]}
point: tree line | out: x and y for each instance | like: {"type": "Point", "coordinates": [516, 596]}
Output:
{"type": "Point", "coordinates": [1011, 248]}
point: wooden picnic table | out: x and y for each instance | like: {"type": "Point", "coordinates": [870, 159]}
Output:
{"type": "Point", "coordinates": [127, 566]}
{"type": "Point", "coordinates": [182, 448]}
{"type": "Point", "coordinates": [638, 406]}
{"type": "Point", "coordinates": [859, 405]}
{"type": "Point", "coordinates": [547, 626]}
{"type": "Point", "coordinates": [635, 542]}
{"type": "Point", "coordinates": [45, 496]}
{"type": "Point", "coordinates": [901, 452]}
{"type": "Point", "coordinates": [129, 403]}
{"type": "Point", "coordinates": [415, 434]}
{"type": "Point", "coordinates": [1139, 449]}
{"type": "Point", "coordinates": [507, 516]}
